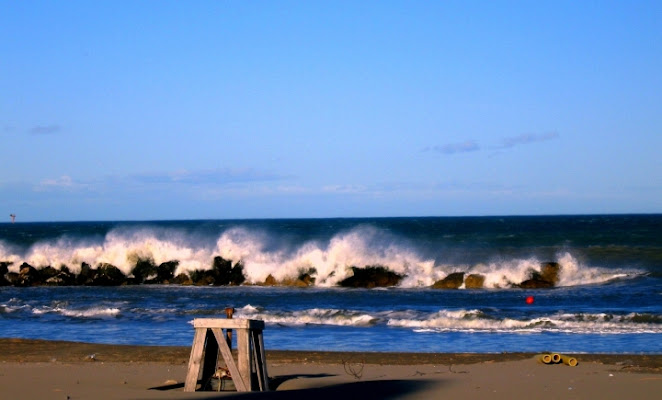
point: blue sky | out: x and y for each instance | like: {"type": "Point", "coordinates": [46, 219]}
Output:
{"type": "Point", "coordinates": [138, 110]}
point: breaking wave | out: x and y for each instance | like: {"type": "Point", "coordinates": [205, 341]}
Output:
{"type": "Point", "coordinates": [93, 312]}
{"type": "Point", "coordinates": [263, 254]}
{"type": "Point", "coordinates": [466, 321]}
{"type": "Point", "coordinates": [315, 316]}
{"type": "Point", "coordinates": [15, 305]}
{"type": "Point", "coordinates": [478, 321]}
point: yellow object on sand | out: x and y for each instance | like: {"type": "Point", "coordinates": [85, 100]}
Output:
{"type": "Point", "coordinates": [567, 360]}
{"type": "Point", "coordinates": [544, 358]}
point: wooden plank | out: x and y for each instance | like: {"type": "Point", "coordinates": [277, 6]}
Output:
{"type": "Point", "coordinates": [256, 361]}
{"type": "Point", "coordinates": [263, 359]}
{"type": "Point", "coordinates": [234, 323]}
{"type": "Point", "coordinates": [194, 360]}
{"type": "Point", "coordinates": [243, 355]}
{"type": "Point", "coordinates": [238, 380]}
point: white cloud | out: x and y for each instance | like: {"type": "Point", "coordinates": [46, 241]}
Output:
{"type": "Point", "coordinates": [63, 182]}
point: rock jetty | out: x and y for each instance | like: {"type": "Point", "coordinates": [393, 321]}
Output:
{"type": "Point", "coordinates": [224, 272]}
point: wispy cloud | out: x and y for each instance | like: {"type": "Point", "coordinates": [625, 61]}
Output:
{"type": "Point", "coordinates": [63, 182]}
{"type": "Point", "coordinates": [506, 143]}
{"type": "Point", "coordinates": [45, 129]}
{"type": "Point", "coordinates": [211, 177]}
{"type": "Point", "coordinates": [454, 148]}
{"type": "Point", "coordinates": [345, 189]}
{"type": "Point", "coordinates": [526, 138]}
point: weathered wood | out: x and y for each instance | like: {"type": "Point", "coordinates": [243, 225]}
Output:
{"type": "Point", "coordinates": [194, 361]}
{"type": "Point", "coordinates": [263, 359]}
{"type": "Point", "coordinates": [243, 357]}
{"type": "Point", "coordinates": [228, 323]}
{"type": "Point", "coordinates": [229, 361]}
{"type": "Point", "coordinates": [210, 338]}
{"type": "Point", "coordinates": [257, 361]}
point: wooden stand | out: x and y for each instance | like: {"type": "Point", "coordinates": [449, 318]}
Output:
{"type": "Point", "coordinates": [248, 374]}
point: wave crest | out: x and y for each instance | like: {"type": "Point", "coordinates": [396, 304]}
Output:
{"type": "Point", "coordinates": [262, 254]}
{"type": "Point", "coordinates": [477, 321]}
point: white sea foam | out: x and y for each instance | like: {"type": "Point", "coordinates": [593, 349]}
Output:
{"type": "Point", "coordinates": [93, 312]}
{"type": "Point", "coordinates": [475, 321]}
{"type": "Point", "coordinates": [10, 254]}
{"type": "Point", "coordinates": [315, 316]}
{"type": "Point", "coordinates": [332, 259]}
{"type": "Point", "coordinates": [459, 320]}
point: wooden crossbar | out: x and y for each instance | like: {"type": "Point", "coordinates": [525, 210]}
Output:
{"type": "Point", "coordinates": [228, 323]}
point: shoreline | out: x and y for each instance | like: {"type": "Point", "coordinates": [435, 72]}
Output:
{"type": "Point", "coordinates": [35, 369]}
{"type": "Point", "coordinates": [39, 350]}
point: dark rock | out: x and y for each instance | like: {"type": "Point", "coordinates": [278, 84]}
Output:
{"type": "Point", "coordinates": [237, 276]}
{"type": "Point", "coordinates": [64, 277]}
{"type": "Point", "coordinates": [307, 276]}
{"type": "Point", "coordinates": [452, 281]}
{"type": "Point", "coordinates": [294, 283]}
{"type": "Point", "coordinates": [535, 284]}
{"type": "Point", "coordinates": [300, 283]}
{"type": "Point", "coordinates": [28, 276]}
{"type": "Point", "coordinates": [371, 277]}
{"type": "Point", "coordinates": [47, 272]}
{"type": "Point", "coordinates": [547, 277]}
{"type": "Point", "coordinates": [182, 279]}
{"type": "Point", "coordinates": [12, 278]}
{"type": "Point", "coordinates": [165, 272]}
{"type": "Point", "coordinates": [202, 277]}
{"type": "Point", "coordinates": [550, 272]}
{"type": "Point", "coordinates": [108, 275]}
{"type": "Point", "coordinates": [306, 279]}
{"type": "Point", "coordinates": [226, 274]}
{"type": "Point", "coordinates": [474, 281]}
{"type": "Point", "coordinates": [54, 277]}
{"type": "Point", "coordinates": [222, 271]}
{"type": "Point", "coordinates": [86, 275]}
{"type": "Point", "coordinates": [4, 269]}
{"type": "Point", "coordinates": [143, 270]}
{"type": "Point", "coordinates": [270, 281]}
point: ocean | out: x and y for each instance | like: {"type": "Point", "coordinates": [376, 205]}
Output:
{"type": "Point", "coordinates": [608, 298]}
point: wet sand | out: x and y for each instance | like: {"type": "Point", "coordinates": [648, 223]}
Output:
{"type": "Point", "coordinates": [35, 369]}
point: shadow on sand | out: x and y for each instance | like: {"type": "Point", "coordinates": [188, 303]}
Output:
{"type": "Point", "coordinates": [380, 389]}
{"type": "Point", "coordinates": [273, 382]}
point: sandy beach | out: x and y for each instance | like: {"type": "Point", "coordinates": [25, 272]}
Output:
{"type": "Point", "coordinates": [34, 369]}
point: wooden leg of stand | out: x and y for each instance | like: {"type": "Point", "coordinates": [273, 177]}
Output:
{"type": "Point", "coordinates": [194, 360]}
{"type": "Point", "coordinates": [263, 359]}
{"type": "Point", "coordinates": [256, 362]}
{"type": "Point", "coordinates": [244, 357]}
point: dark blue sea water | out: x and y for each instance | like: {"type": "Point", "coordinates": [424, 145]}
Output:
{"type": "Point", "coordinates": [608, 299]}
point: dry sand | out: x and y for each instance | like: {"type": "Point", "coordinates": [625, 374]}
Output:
{"type": "Point", "coordinates": [32, 369]}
